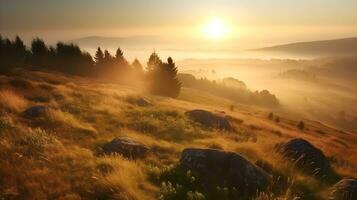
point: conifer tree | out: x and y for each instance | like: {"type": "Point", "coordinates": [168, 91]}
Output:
{"type": "Point", "coordinates": [154, 62]}
{"type": "Point", "coordinates": [137, 66]}
{"type": "Point", "coordinates": [107, 57]}
{"type": "Point", "coordinates": [163, 77]}
{"type": "Point", "coordinates": [119, 55]}
{"type": "Point", "coordinates": [99, 56]}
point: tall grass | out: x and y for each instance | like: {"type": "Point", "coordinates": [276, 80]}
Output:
{"type": "Point", "coordinates": [12, 102]}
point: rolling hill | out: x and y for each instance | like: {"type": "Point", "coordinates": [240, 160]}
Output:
{"type": "Point", "coordinates": [113, 42]}
{"type": "Point", "coordinates": [55, 130]}
{"type": "Point", "coordinates": [346, 46]}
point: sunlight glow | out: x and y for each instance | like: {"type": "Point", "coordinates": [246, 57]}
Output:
{"type": "Point", "coordinates": [215, 29]}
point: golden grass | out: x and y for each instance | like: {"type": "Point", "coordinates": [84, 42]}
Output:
{"type": "Point", "coordinates": [128, 178]}
{"type": "Point", "coordinates": [12, 101]}
{"type": "Point", "coordinates": [70, 120]}
{"type": "Point", "coordinates": [71, 166]}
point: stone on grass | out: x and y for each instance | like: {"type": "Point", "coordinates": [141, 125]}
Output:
{"type": "Point", "coordinates": [126, 147]}
{"type": "Point", "coordinates": [37, 111]}
{"type": "Point", "coordinates": [345, 189]}
{"type": "Point", "coordinates": [209, 119]}
{"type": "Point", "coordinates": [305, 156]}
{"type": "Point", "coordinates": [228, 167]}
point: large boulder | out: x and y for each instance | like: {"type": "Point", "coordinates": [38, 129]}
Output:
{"type": "Point", "coordinates": [305, 156]}
{"type": "Point", "coordinates": [126, 147]}
{"type": "Point", "coordinates": [228, 167]}
{"type": "Point", "coordinates": [209, 119]}
{"type": "Point", "coordinates": [37, 111]}
{"type": "Point", "coordinates": [345, 189]}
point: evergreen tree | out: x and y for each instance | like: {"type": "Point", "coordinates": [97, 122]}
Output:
{"type": "Point", "coordinates": [163, 79]}
{"type": "Point", "coordinates": [99, 56]}
{"type": "Point", "coordinates": [173, 82]}
{"type": "Point", "coordinates": [154, 62]}
{"type": "Point", "coordinates": [40, 53]}
{"type": "Point", "coordinates": [119, 55]}
{"type": "Point", "coordinates": [138, 68]}
{"type": "Point", "coordinates": [20, 48]}
{"type": "Point", "coordinates": [137, 65]}
{"type": "Point", "coordinates": [38, 47]}
{"type": "Point", "coordinates": [107, 57]}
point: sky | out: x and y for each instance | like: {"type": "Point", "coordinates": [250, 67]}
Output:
{"type": "Point", "coordinates": [251, 23]}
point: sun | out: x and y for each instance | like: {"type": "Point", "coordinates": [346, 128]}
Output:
{"type": "Point", "coordinates": [215, 29]}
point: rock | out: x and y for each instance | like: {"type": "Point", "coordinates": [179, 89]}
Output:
{"type": "Point", "coordinates": [126, 147]}
{"type": "Point", "coordinates": [305, 156]}
{"type": "Point", "coordinates": [143, 102]}
{"type": "Point", "coordinates": [139, 101]}
{"type": "Point", "coordinates": [37, 111]}
{"type": "Point", "coordinates": [230, 167]}
{"type": "Point", "coordinates": [346, 189]}
{"type": "Point", "coordinates": [209, 119]}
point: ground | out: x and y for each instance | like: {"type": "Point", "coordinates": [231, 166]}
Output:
{"type": "Point", "coordinates": [57, 156]}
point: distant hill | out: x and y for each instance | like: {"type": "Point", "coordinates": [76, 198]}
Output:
{"type": "Point", "coordinates": [114, 42]}
{"type": "Point", "coordinates": [346, 46]}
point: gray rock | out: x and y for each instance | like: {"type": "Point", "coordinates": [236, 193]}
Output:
{"type": "Point", "coordinates": [37, 111]}
{"type": "Point", "coordinates": [305, 156]}
{"type": "Point", "coordinates": [126, 147]}
{"type": "Point", "coordinates": [139, 101]}
{"type": "Point", "coordinates": [143, 102]}
{"type": "Point", "coordinates": [235, 170]}
{"type": "Point", "coordinates": [346, 189]}
{"type": "Point", "coordinates": [209, 119]}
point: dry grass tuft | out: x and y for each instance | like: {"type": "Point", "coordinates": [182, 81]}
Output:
{"type": "Point", "coordinates": [11, 101]}
{"type": "Point", "coordinates": [127, 178]}
{"type": "Point", "coordinates": [57, 116]}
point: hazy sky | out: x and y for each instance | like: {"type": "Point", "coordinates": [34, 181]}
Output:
{"type": "Point", "coordinates": [253, 23]}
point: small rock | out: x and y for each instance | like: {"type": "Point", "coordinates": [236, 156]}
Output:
{"type": "Point", "coordinates": [36, 111]}
{"type": "Point", "coordinates": [143, 102]}
{"type": "Point", "coordinates": [126, 147]}
{"type": "Point", "coordinates": [209, 119]}
{"type": "Point", "coordinates": [346, 189]}
{"type": "Point", "coordinates": [305, 156]}
{"type": "Point", "coordinates": [231, 167]}
{"type": "Point", "coordinates": [139, 101]}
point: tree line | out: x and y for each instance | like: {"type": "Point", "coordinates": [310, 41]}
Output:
{"type": "Point", "coordinates": [161, 77]}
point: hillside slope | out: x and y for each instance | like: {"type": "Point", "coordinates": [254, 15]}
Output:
{"type": "Point", "coordinates": [59, 155]}
{"type": "Point", "coordinates": [346, 46]}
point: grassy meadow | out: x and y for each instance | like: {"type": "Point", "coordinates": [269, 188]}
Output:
{"type": "Point", "coordinates": [58, 156]}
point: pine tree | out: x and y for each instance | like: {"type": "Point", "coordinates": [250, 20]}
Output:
{"type": "Point", "coordinates": [173, 82]}
{"type": "Point", "coordinates": [120, 59]}
{"type": "Point", "coordinates": [19, 46]}
{"type": "Point", "coordinates": [154, 62]}
{"type": "Point", "coordinates": [40, 53]}
{"type": "Point", "coordinates": [163, 78]}
{"type": "Point", "coordinates": [119, 55]}
{"type": "Point", "coordinates": [137, 66]}
{"type": "Point", "coordinates": [107, 57]}
{"type": "Point", "coordinates": [99, 56]}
